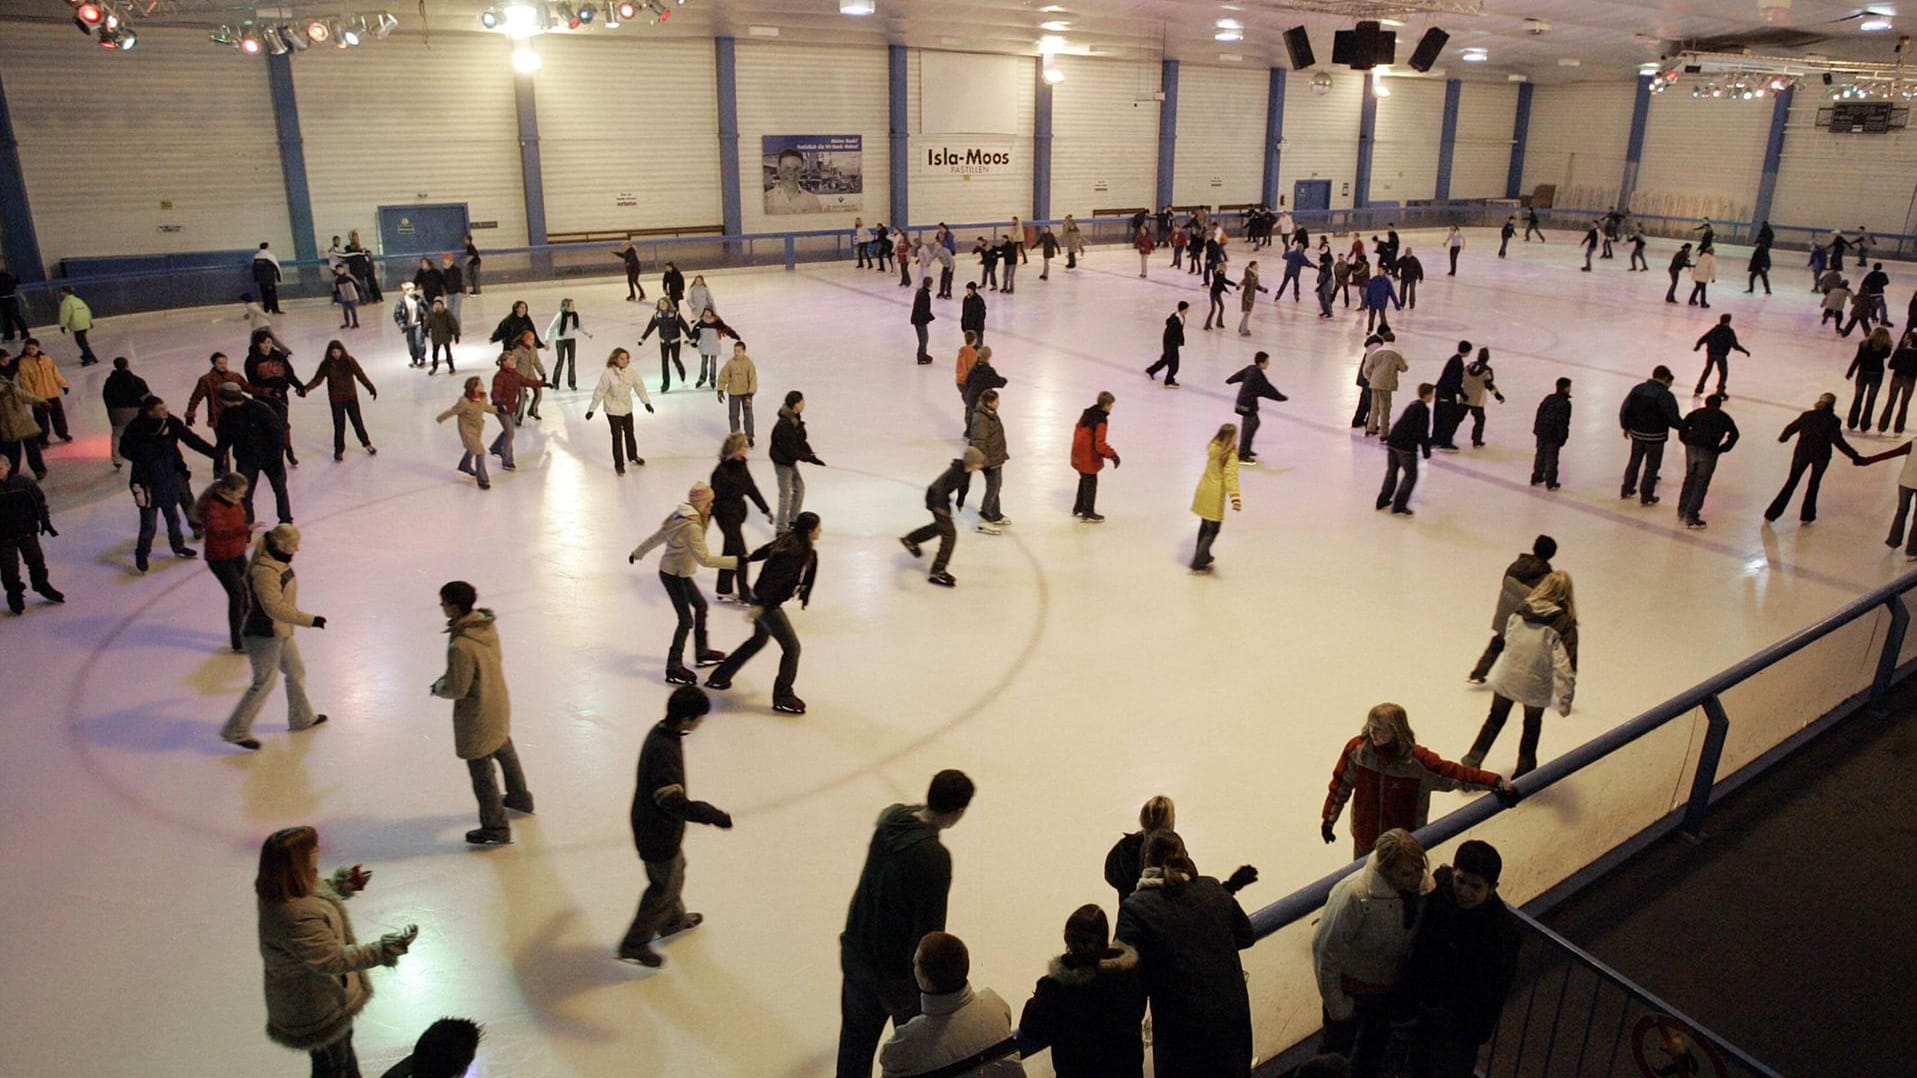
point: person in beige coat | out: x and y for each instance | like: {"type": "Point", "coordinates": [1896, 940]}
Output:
{"type": "Point", "coordinates": [475, 681]}
{"type": "Point", "coordinates": [738, 381]}
{"type": "Point", "coordinates": [1380, 373]}
{"type": "Point", "coordinates": [273, 611]}
{"type": "Point", "coordinates": [472, 408]}
{"type": "Point", "coordinates": [684, 536]}
{"type": "Point", "coordinates": [525, 360]}
{"type": "Point", "coordinates": [315, 967]}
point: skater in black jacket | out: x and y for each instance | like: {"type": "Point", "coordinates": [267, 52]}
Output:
{"type": "Point", "coordinates": [1172, 340]}
{"type": "Point", "coordinates": [1253, 387]}
{"type": "Point", "coordinates": [1647, 417]}
{"type": "Point", "coordinates": [1818, 431]}
{"type": "Point", "coordinates": [660, 812]}
{"type": "Point", "coordinates": [1409, 437]}
{"type": "Point", "coordinates": [938, 499]}
{"type": "Point", "coordinates": [1552, 428]}
{"type": "Point", "coordinates": [791, 566]}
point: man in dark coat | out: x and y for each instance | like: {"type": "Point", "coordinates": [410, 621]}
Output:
{"type": "Point", "coordinates": [1523, 574]}
{"type": "Point", "coordinates": [1463, 964]}
{"type": "Point", "coordinates": [660, 811]}
{"type": "Point", "coordinates": [23, 519]}
{"type": "Point", "coordinates": [255, 434]}
{"type": "Point", "coordinates": [1450, 408]}
{"type": "Point", "coordinates": [266, 277]}
{"type": "Point", "coordinates": [922, 317]}
{"type": "Point", "coordinates": [1253, 387]}
{"type": "Point", "coordinates": [1170, 342]}
{"type": "Point", "coordinates": [1552, 428]}
{"type": "Point", "coordinates": [1648, 416]}
{"type": "Point", "coordinates": [1818, 431]}
{"type": "Point", "coordinates": [900, 898]}
{"type": "Point", "coordinates": [1680, 262]}
{"type": "Point", "coordinates": [972, 312]}
{"type": "Point", "coordinates": [1709, 432]}
{"type": "Point", "coordinates": [151, 444]}
{"type": "Point", "coordinates": [1408, 437]}
{"type": "Point", "coordinates": [1719, 341]}
{"type": "Point", "coordinates": [938, 499]}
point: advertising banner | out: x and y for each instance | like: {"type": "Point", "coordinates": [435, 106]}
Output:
{"type": "Point", "coordinates": [812, 173]}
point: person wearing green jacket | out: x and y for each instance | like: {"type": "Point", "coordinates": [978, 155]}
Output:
{"type": "Point", "coordinates": [77, 318]}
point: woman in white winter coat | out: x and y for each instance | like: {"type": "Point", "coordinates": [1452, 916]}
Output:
{"type": "Point", "coordinates": [316, 978]}
{"type": "Point", "coordinates": [1370, 922]}
{"type": "Point", "coordinates": [1703, 274]}
{"type": "Point", "coordinates": [614, 392]}
{"type": "Point", "coordinates": [1535, 669]}
{"type": "Point", "coordinates": [699, 298]}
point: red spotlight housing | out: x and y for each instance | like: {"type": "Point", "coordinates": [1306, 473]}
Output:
{"type": "Point", "coordinates": [88, 15]}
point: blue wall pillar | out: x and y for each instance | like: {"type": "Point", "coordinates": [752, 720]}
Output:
{"type": "Point", "coordinates": [1042, 146]}
{"type": "Point", "coordinates": [1448, 137]}
{"type": "Point", "coordinates": [1167, 130]}
{"type": "Point", "coordinates": [1773, 152]}
{"type": "Point", "coordinates": [1367, 135]}
{"type": "Point", "coordinates": [1520, 133]}
{"type": "Point", "coordinates": [1634, 150]}
{"type": "Point", "coordinates": [19, 243]}
{"type": "Point", "coordinates": [901, 126]}
{"type": "Point", "coordinates": [529, 174]}
{"type": "Point", "coordinates": [299, 200]}
{"type": "Point", "coordinates": [727, 67]}
{"type": "Point", "coordinates": [1274, 134]}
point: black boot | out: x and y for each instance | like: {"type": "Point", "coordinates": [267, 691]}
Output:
{"type": "Point", "coordinates": [1487, 735]}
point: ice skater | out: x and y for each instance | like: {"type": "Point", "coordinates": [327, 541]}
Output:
{"type": "Point", "coordinates": [615, 391]}
{"type": "Point", "coordinates": [1253, 386]}
{"type": "Point", "coordinates": [1524, 573]}
{"type": "Point", "coordinates": [1531, 224]}
{"type": "Point", "coordinates": [1648, 416]}
{"type": "Point", "coordinates": [971, 313]}
{"type": "Point", "coordinates": [1867, 371]}
{"type": "Point", "coordinates": [922, 316]}
{"type": "Point", "coordinates": [1719, 341]}
{"type": "Point", "coordinates": [938, 499]}
{"type": "Point", "coordinates": [1505, 232]}
{"type": "Point", "coordinates": [1248, 288]}
{"type": "Point", "coordinates": [1170, 342]}
{"type": "Point", "coordinates": [1479, 381]}
{"type": "Point", "coordinates": [471, 408]}
{"type": "Point", "coordinates": [221, 512]}
{"type": "Point", "coordinates": [737, 382]}
{"type": "Point", "coordinates": [1535, 670]}
{"type": "Point", "coordinates": [790, 448]}
{"type": "Point", "coordinates": [1089, 454]}
{"type": "Point", "coordinates": [1906, 497]}
{"type": "Point", "coordinates": [987, 435]}
{"type": "Point", "coordinates": [661, 809]}
{"type": "Point", "coordinates": [159, 479]}
{"type": "Point", "coordinates": [1409, 437]}
{"type": "Point", "coordinates": [1387, 778]}
{"type": "Point", "coordinates": [1380, 375]}
{"type": "Point", "coordinates": [711, 330]}
{"type": "Point", "coordinates": [1217, 285]}
{"type": "Point", "coordinates": [1818, 432]}
{"type": "Point", "coordinates": [683, 534]}
{"type": "Point", "coordinates": [732, 486]}
{"type": "Point", "coordinates": [23, 520]}
{"type": "Point", "coordinates": [442, 329]}
{"type": "Point", "coordinates": [981, 378]}
{"type": "Point", "coordinates": [1378, 293]}
{"type": "Point", "coordinates": [340, 371]}
{"type": "Point", "coordinates": [1703, 275]}
{"type": "Point", "coordinates": [1218, 482]}
{"type": "Point", "coordinates": [671, 327]}
{"type": "Point", "coordinates": [791, 566]}
{"type": "Point", "coordinates": [1551, 427]}
{"type": "Point", "coordinates": [1680, 262]}
{"type": "Point", "coordinates": [1708, 433]}
{"type": "Point", "coordinates": [475, 681]}
{"type": "Point", "coordinates": [563, 331]}
{"type": "Point", "coordinates": [272, 614]}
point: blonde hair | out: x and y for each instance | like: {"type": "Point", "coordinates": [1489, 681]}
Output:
{"type": "Point", "coordinates": [1157, 814]}
{"type": "Point", "coordinates": [1880, 337]}
{"type": "Point", "coordinates": [732, 444]}
{"type": "Point", "coordinates": [1226, 435]}
{"type": "Point", "coordinates": [1394, 718]}
{"type": "Point", "coordinates": [1556, 588]}
{"type": "Point", "coordinates": [1398, 846]}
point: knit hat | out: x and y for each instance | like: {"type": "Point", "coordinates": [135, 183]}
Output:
{"type": "Point", "coordinates": [232, 389]}
{"type": "Point", "coordinates": [1480, 859]}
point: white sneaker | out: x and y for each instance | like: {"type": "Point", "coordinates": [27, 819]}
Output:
{"type": "Point", "coordinates": [989, 528]}
{"type": "Point", "coordinates": [1003, 521]}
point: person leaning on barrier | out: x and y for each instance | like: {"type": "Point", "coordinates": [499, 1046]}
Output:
{"type": "Point", "coordinates": [1370, 921]}
{"type": "Point", "coordinates": [1463, 963]}
{"type": "Point", "coordinates": [959, 1030]}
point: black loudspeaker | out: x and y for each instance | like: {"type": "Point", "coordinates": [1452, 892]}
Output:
{"type": "Point", "coordinates": [1428, 49]}
{"type": "Point", "coordinates": [1364, 47]}
{"type": "Point", "coordinates": [1298, 48]}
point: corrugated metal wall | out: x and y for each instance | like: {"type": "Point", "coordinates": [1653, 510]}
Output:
{"type": "Point", "coordinates": [1578, 140]}
{"type": "Point", "coordinates": [1481, 158]}
{"type": "Point", "coordinates": [1702, 158]}
{"type": "Point", "coordinates": [1404, 159]}
{"type": "Point", "coordinates": [1321, 133]}
{"type": "Point", "coordinates": [1104, 135]}
{"type": "Point", "coordinates": [606, 129]}
{"type": "Point", "coordinates": [110, 160]}
{"type": "Point", "coordinates": [812, 90]}
{"type": "Point", "coordinates": [402, 123]}
{"type": "Point", "coordinates": [1221, 135]}
{"type": "Point", "coordinates": [1843, 181]}
{"type": "Point", "coordinates": [996, 195]}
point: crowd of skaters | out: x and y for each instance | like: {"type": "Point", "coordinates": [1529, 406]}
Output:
{"type": "Point", "coordinates": [1531, 662]}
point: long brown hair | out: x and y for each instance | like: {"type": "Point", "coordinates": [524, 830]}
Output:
{"type": "Point", "coordinates": [286, 868]}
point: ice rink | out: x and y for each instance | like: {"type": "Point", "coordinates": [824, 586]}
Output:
{"type": "Point", "coordinates": [1075, 670]}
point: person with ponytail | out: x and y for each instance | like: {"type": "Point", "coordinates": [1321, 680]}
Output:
{"type": "Point", "coordinates": [791, 566]}
{"type": "Point", "coordinates": [1089, 1007]}
{"type": "Point", "coordinates": [267, 635]}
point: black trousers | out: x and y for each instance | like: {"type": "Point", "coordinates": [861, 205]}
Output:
{"type": "Point", "coordinates": [1248, 423]}
{"type": "Point", "coordinates": [1397, 493]}
{"type": "Point", "coordinates": [1700, 294]}
{"type": "Point", "coordinates": [945, 283]}
{"type": "Point", "coordinates": [1671, 296]}
{"type": "Point", "coordinates": [1646, 456]}
{"type": "Point", "coordinates": [275, 472]}
{"type": "Point", "coordinates": [1362, 1037]}
{"type": "Point", "coordinates": [1723, 365]}
{"type": "Point", "coordinates": [152, 510]}
{"type": "Point", "coordinates": [31, 447]}
{"type": "Point", "coordinates": [15, 550]}
{"type": "Point", "coordinates": [1087, 500]}
{"type": "Point", "coordinates": [1898, 398]}
{"type": "Point", "coordinates": [1291, 278]}
{"type": "Point", "coordinates": [1455, 251]}
{"type": "Point", "coordinates": [232, 577]}
{"type": "Point", "coordinates": [336, 1060]}
{"type": "Point", "coordinates": [565, 358]}
{"type": "Point", "coordinates": [269, 296]}
{"type": "Point", "coordinates": [1760, 275]}
{"type": "Point", "coordinates": [1362, 413]}
{"type": "Point", "coordinates": [1445, 426]}
{"type": "Point", "coordinates": [1864, 400]}
{"type": "Point", "coordinates": [943, 530]}
{"type": "Point", "coordinates": [447, 348]}
{"type": "Point", "coordinates": [690, 606]}
{"type": "Point", "coordinates": [1169, 364]}
{"type": "Point", "coordinates": [10, 317]}
{"type": "Point", "coordinates": [1527, 741]}
{"type": "Point", "coordinates": [774, 625]}
{"type": "Point", "coordinates": [1410, 296]}
{"type": "Point", "coordinates": [1207, 534]}
{"type": "Point", "coordinates": [1799, 465]}
{"type": "Point", "coordinates": [668, 362]}
{"type": "Point", "coordinates": [1544, 463]}
{"type": "Point", "coordinates": [1699, 465]}
{"type": "Point", "coordinates": [623, 443]}
{"type": "Point", "coordinates": [865, 1005]}
{"type": "Point", "coordinates": [733, 532]}
{"type": "Point", "coordinates": [634, 290]}
{"type": "Point", "coordinates": [1504, 244]}
{"type": "Point", "coordinates": [1491, 652]}
{"type": "Point", "coordinates": [343, 411]}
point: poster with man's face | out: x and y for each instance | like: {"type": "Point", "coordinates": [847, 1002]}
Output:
{"type": "Point", "coordinates": [812, 173]}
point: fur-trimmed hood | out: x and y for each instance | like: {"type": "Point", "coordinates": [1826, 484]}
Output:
{"type": "Point", "coordinates": [1116, 959]}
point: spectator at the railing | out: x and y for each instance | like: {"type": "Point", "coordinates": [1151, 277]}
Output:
{"type": "Point", "coordinates": [1392, 777]}
{"type": "Point", "coordinates": [1074, 243]}
{"type": "Point", "coordinates": [1535, 669]}
{"type": "Point", "coordinates": [428, 279]}
{"type": "Point", "coordinates": [1124, 862]}
{"type": "Point", "coordinates": [455, 283]}
{"type": "Point", "coordinates": [335, 254]}
{"type": "Point", "coordinates": [899, 900]}
{"type": "Point", "coordinates": [1463, 963]}
{"type": "Point", "coordinates": [1520, 577]}
{"type": "Point", "coordinates": [959, 1031]}
{"type": "Point", "coordinates": [1188, 930]}
{"type": "Point", "coordinates": [360, 263]}
{"type": "Point", "coordinates": [266, 276]}
{"type": "Point", "coordinates": [1369, 924]}
{"type": "Point", "coordinates": [445, 1050]}
{"type": "Point", "coordinates": [1089, 1006]}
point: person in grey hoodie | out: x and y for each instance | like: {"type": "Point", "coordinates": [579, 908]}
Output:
{"type": "Point", "coordinates": [683, 534]}
{"type": "Point", "coordinates": [475, 681]}
{"type": "Point", "coordinates": [1648, 416]}
{"type": "Point", "coordinates": [1369, 926]}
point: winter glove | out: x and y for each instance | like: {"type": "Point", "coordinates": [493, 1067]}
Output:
{"type": "Point", "coordinates": [1507, 795]}
{"type": "Point", "coordinates": [649, 410]}
{"type": "Point", "coordinates": [46, 528]}
{"type": "Point", "coordinates": [64, 390]}
{"type": "Point", "coordinates": [1325, 831]}
{"type": "Point", "coordinates": [818, 462]}
{"type": "Point", "coordinates": [724, 822]}
{"type": "Point", "coordinates": [1115, 461]}
{"type": "Point", "coordinates": [394, 944]}
{"type": "Point", "coordinates": [189, 421]}
{"type": "Point", "coordinates": [319, 623]}
{"type": "Point", "coordinates": [588, 415]}
{"type": "Point", "coordinates": [1244, 877]}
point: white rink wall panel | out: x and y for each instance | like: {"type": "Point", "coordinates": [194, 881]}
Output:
{"type": "Point", "coordinates": [1404, 160]}
{"type": "Point", "coordinates": [403, 123]}
{"type": "Point", "coordinates": [1104, 135]}
{"type": "Point", "coordinates": [1578, 140]}
{"type": "Point", "coordinates": [812, 90]}
{"type": "Point", "coordinates": [1702, 157]}
{"type": "Point", "coordinates": [111, 169]}
{"type": "Point", "coordinates": [1321, 133]}
{"type": "Point", "coordinates": [1842, 181]}
{"type": "Point", "coordinates": [1481, 156]}
{"type": "Point", "coordinates": [1221, 135]}
{"type": "Point", "coordinates": [994, 98]}
{"type": "Point", "coordinates": [598, 141]}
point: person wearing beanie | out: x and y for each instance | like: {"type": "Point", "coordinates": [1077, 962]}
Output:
{"type": "Point", "coordinates": [683, 534]}
{"type": "Point", "coordinates": [1369, 925]}
{"type": "Point", "coordinates": [159, 476]}
{"type": "Point", "coordinates": [123, 391]}
{"type": "Point", "coordinates": [1388, 778]}
{"type": "Point", "coordinates": [475, 681]}
{"type": "Point", "coordinates": [1523, 574]}
{"type": "Point", "coordinates": [790, 449]}
{"type": "Point", "coordinates": [272, 614]}
{"type": "Point", "coordinates": [938, 499]}
{"type": "Point", "coordinates": [1090, 1005]}
{"type": "Point", "coordinates": [661, 809]}
{"type": "Point", "coordinates": [791, 566]}
{"type": "Point", "coordinates": [254, 432]}
{"type": "Point", "coordinates": [1818, 431]}
{"type": "Point", "coordinates": [23, 520]}
{"type": "Point", "coordinates": [221, 512]}
{"type": "Point", "coordinates": [449, 1046]}
{"type": "Point", "coordinates": [959, 1030]}
{"type": "Point", "coordinates": [1463, 964]}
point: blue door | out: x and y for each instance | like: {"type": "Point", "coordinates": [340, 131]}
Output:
{"type": "Point", "coordinates": [1308, 195]}
{"type": "Point", "coordinates": [420, 230]}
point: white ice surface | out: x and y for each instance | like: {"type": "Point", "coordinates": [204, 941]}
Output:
{"type": "Point", "coordinates": [1075, 670]}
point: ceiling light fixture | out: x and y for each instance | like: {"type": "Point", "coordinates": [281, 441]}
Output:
{"type": "Point", "coordinates": [488, 19]}
{"type": "Point", "coordinates": [525, 60]}
{"type": "Point", "coordinates": [521, 21]}
{"type": "Point", "coordinates": [1228, 35]}
{"type": "Point", "coordinates": [1874, 23]}
{"type": "Point", "coordinates": [1055, 26]}
{"type": "Point", "coordinates": [1378, 87]}
{"type": "Point", "coordinates": [385, 24]}
{"type": "Point", "coordinates": [1474, 56]}
{"type": "Point", "coordinates": [857, 7]}
{"type": "Point", "coordinates": [250, 43]}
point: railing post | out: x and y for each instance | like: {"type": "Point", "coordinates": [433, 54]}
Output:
{"type": "Point", "coordinates": [791, 254]}
{"type": "Point", "coordinates": [1718, 725]}
{"type": "Point", "coordinates": [1893, 647]}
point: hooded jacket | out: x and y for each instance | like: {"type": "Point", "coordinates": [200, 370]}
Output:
{"type": "Point", "coordinates": [273, 596]}
{"type": "Point", "coordinates": [1552, 424]}
{"type": "Point", "coordinates": [123, 389]}
{"type": "Point", "coordinates": [1089, 1014]}
{"type": "Point", "coordinates": [1363, 938]}
{"type": "Point", "coordinates": [1391, 787]}
{"type": "Point", "coordinates": [1089, 451]}
{"type": "Point", "coordinates": [153, 447]}
{"type": "Point", "coordinates": [732, 485]}
{"type": "Point", "coordinates": [475, 681]}
{"type": "Point", "coordinates": [1535, 668]}
{"type": "Point", "coordinates": [660, 806]}
{"type": "Point", "coordinates": [315, 968]}
{"type": "Point", "coordinates": [1465, 960]}
{"type": "Point", "coordinates": [1381, 369]}
{"type": "Point", "coordinates": [1479, 380]}
{"type": "Point", "coordinates": [1188, 932]}
{"type": "Point", "coordinates": [339, 373]}
{"type": "Point", "coordinates": [252, 430]}
{"type": "Point", "coordinates": [1253, 386]}
{"type": "Point", "coordinates": [683, 534]}
{"type": "Point", "coordinates": [1174, 335]}
{"type": "Point", "coordinates": [938, 496]}
{"type": "Point", "coordinates": [1524, 573]}
{"type": "Point", "coordinates": [789, 445]}
{"type": "Point", "coordinates": [39, 376]}
{"type": "Point", "coordinates": [1218, 483]}
{"type": "Point", "coordinates": [900, 897]}
{"type": "Point", "coordinates": [988, 437]}
{"type": "Point", "coordinates": [1649, 412]}
{"type": "Point", "coordinates": [951, 1027]}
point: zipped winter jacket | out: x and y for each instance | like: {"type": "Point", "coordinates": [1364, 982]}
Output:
{"type": "Point", "coordinates": [1390, 788]}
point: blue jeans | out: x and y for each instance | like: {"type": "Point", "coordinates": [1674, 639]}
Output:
{"type": "Point", "coordinates": [503, 444]}
{"type": "Point", "coordinates": [791, 495]}
{"type": "Point", "coordinates": [475, 464]}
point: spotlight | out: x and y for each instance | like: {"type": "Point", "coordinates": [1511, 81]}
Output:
{"type": "Point", "coordinates": [1874, 23]}
{"type": "Point", "coordinates": [109, 37]}
{"type": "Point", "coordinates": [584, 14]}
{"type": "Point", "coordinates": [573, 21]}
{"type": "Point", "coordinates": [385, 24]}
{"type": "Point", "coordinates": [1780, 83]}
{"type": "Point", "coordinates": [318, 32]}
{"type": "Point", "coordinates": [1054, 76]}
{"type": "Point", "coordinates": [128, 39]}
{"type": "Point", "coordinates": [88, 15]}
{"type": "Point", "coordinates": [521, 20]}
{"type": "Point", "coordinates": [1827, 82]}
{"type": "Point", "coordinates": [611, 21]}
{"type": "Point", "coordinates": [626, 10]}
{"type": "Point", "coordinates": [336, 30]}
{"type": "Point", "coordinates": [222, 36]}
{"type": "Point", "coordinates": [1378, 86]}
{"type": "Point", "coordinates": [250, 43]}
{"type": "Point", "coordinates": [274, 46]}
{"type": "Point", "coordinates": [489, 19]}
{"type": "Point", "coordinates": [857, 7]}
{"type": "Point", "coordinates": [354, 31]}
{"type": "Point", "coordinates": [660, 13]}
{"type": "Point", "coordinates": [526, 61]}
{"type": "Point", "coordinates": [296, 38]}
